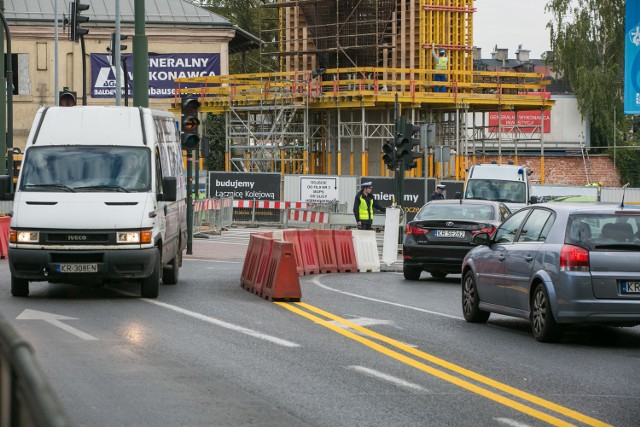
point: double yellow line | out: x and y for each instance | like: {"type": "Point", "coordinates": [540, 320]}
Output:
{"type": "Point", "coordinates": [309, 309]}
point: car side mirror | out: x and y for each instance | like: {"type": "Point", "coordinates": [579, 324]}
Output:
{"type": "Point", "coordinates": [458, 195]}
{"type": "Point", "coordinates": [5, 188]}
{"type": "Point", "coordinates": [169, 189]}
{"type": "Point", "coordinates": [482, 239]}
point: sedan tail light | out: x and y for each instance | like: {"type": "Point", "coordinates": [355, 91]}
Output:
{"type": "Point", "coordinates": [415, 230]}
{"type": "Point", "coordinates": [489, 230]}
{"type": "Point", "coordinates": [574, 258]}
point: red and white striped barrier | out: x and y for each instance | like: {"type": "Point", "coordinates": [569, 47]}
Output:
{"type": "Point", "coordinates": [309, 216]}
{"type": "Point", "coordinates": [269, 204]}
{"type": "Point", "coordinates": [211, 204]}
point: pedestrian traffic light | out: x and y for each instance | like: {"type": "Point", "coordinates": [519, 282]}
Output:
{"type": "Point", "coordinates": [189, 123]}
{"type": "Point", "coordinates": [66, 98]}
{"type": "Point", "coordinates": [76, 9]}
{"type": "Point", "coordinates": [405, 144]}
{"type": "Point", "coordinates": [389, 156]}
{"type": "Point", "coordinates": [112, 47]}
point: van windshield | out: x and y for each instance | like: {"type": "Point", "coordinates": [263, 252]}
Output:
{"type": "Point", "coordinates": [495, 189]}
{"type": "Point", "coordinates": [86, 168]}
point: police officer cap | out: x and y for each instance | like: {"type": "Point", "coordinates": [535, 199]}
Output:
{"type": "Point", "coordinates": [441, 186]}
{"type": "Point", "coordinates": [366, 185]}
{"type": "Point", "coordinates": [441, 51]}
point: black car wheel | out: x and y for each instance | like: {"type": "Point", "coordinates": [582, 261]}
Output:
{"type": "Point", "coordinates": [411, 273]}
{"type": "Point", "coordinates": [543, 325]}
{"type": "Point", "coordinates": [19, 287]}
{"type": "Point", "coordinates": [471, 300]}
{"type": "Point", "coordinates": [438, 274]}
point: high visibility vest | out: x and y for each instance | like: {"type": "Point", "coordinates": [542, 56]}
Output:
{"type": "Point", "coordinates": [365, 210]}
{"type": "Point", "coordinates": [441, 64]}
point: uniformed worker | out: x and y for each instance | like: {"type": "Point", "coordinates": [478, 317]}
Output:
{"type": "Point", "coordinates": [437, 195]}
{"type": "Point", "coordinates": [363, 206]}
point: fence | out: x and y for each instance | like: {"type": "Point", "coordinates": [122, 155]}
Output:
{"type": "Point", "coordinates": [210, 216]}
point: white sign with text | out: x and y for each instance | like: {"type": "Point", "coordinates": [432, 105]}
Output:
{"type": "Point", "coordinates": [315, 189]}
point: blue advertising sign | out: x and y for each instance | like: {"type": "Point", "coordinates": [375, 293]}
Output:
{"type": "Point", "coordinates": [163, 70]}
{"type": "Point", "coordinates": [632, 59]}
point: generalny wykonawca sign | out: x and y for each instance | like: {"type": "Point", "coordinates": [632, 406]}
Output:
{"type": "Point", "coordinates": [163, 70]}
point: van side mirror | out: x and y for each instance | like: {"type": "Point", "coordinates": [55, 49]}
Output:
{"type": "Point", "coordinates": [533, 200]}
{"type": "Point", "coordinates": [169, 189]}
{"type": "Point", "coordinates": [5, 188]}
{"type": "Point", "coordinates": [458, 195]}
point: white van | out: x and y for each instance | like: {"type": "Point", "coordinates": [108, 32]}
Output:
{"type": "Point", "coordinates": [101, 197]}
{"type": "Point", "coordinates": [509, 184]}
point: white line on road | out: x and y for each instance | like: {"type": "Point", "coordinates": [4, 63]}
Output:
{"type": "Point", "coordinates": [316, 281]}
{"type": "Point", "coordinates": [218, 322]}
{"type": "Point", "coordinates": [510, 422]}
{"type": "Point", "coordinates": [394, 380]}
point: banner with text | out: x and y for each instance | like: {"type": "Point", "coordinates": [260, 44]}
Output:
{"type": "Point", "coordinates": [384, 193]}
{"type": "Point", "coordinates": [245, 186]}
{"type": "Point", "coordinates": [632, 58]}
{"type": "Point", "coordinates": [163, 70]}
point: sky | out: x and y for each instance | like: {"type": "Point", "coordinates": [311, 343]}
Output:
{"type": "Point", "coordinates": [510, 23]}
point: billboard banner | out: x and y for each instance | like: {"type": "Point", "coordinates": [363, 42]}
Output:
{"type": "Point", "coordinates": [384, 191]}
{"type": "Point", "coordinates": [527, 121]}
{"type": "Point", "coordinates": [163, 70]}
{"type": "Point", "coordinates": [245, 186]}
{"type": "Point", "coordinates": [632, 59]}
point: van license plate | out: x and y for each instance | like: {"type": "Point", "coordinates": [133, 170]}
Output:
{"type": "Point", "coordinates": [77, 268]}
{"type": "Point", "coordinates": [630, 287]}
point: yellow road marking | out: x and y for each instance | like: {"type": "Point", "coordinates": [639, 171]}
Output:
{"type": "Point", "coordinates": [443, 363]}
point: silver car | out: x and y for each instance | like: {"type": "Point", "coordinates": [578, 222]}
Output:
{"type": "Point", "coordinates": [557, 264]}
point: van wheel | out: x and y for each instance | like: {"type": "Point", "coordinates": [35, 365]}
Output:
{"type": "Point", "coordinates": [171, 272]}
{"type": "Point", "coordinates": [19, 287]}
{"type": "Point", "coordinates": [149, 285]}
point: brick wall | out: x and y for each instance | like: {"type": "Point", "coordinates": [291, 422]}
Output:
{"type": "Point", "coordinates": [566, 170]}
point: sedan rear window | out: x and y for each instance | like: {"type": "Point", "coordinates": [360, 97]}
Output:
{"type": "Point", "coordinates": [603, 230]}
{"type": "Point", "coordinates": [456, 212]}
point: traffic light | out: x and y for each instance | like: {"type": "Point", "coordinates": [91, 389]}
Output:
{"type": "Point", "coordinates": [76, 9]}
{"type": "Point", "coordinates": [66, 98]}
{"type": "Point", "coordinates": [405, 143]}
{"type": "Point", "coordinates": [389, 156]}
{"type": "Point", "coordinates": [189, 123]}
{"type": "Point", "coordinates": [112, 47]}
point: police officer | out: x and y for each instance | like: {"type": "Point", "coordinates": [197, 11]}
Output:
{"type": "Point", "coordinates": [363, 206]}
{"type": "Point", "coordinates": [437, 195]}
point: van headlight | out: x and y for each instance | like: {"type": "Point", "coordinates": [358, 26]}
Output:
{"type": "Point", "coordinates": [134, 237]}
{"type": "Point", "coordinates": [23, 236]}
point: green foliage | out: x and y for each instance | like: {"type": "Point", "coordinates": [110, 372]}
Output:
{"type": "Point", "coordinates": [214, 131]}
{"type": "Point", "coordinates": [587, 38]}
{"type": "Point", "coordinates": [627, 161]}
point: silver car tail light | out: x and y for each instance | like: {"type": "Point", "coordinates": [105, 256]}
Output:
{"type": "Point", "coordinates": [574, 258]}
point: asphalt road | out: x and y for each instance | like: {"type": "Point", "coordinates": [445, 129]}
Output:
{"type": "Point", "coordinates": [208, 353]}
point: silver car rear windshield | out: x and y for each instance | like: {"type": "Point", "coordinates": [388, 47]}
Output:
{"type": "Point", "coordinates": [604, 231]}
{"type": "Point", "coordinates": [455, 212]}
{"type": "Point", "coordinates": [86, 169]}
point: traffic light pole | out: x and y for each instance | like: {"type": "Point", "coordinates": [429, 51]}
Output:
{"type": "Point", "coordinates": [9, 94]}
{"type": "Point", "coordinates": [189, 202]}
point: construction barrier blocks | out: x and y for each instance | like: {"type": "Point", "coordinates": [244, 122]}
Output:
{"type": "Point", "coordinates": [309, 251]}
{"type": "Point", "coordinates": [292, 236]}
{"type": "Point", "coordinates": [366, 248]}
{"type": "Point", "coordinates": [5, 222]}
{"type": "Point", "coordinates": [281, 279]}
{"type": "Point", "coordinates": [327, 262]}
{"type": "Point", "coordinates": [345, 254]}
{"type": "Point", "coordinates": [251, 262]}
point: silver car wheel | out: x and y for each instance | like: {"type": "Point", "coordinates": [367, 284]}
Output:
{"type": "Point", "coordinates": [543, 324]}
{"type": "Point", "coordinates": [539, 312]}
{"type": "Point", "coordinates": [471, 301]}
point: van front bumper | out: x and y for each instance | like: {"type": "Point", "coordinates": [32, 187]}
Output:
{"type": "Point", "coordinates": [45, 264]}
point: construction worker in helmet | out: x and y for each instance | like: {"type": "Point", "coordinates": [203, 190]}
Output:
{"type": "Point", "coordinates": [442, 64]}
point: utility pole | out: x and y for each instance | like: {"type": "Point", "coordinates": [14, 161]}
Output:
{"type": "Point", "coordinates": [140, 58]}
{"type": "Point", "coordinates": [3, 101]}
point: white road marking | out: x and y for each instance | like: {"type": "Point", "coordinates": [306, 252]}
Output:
{"type": "Point", "coordinates": [55, 320]}
{"type": "Point", "coordinates": [389, 378]}
{"type": "Point", "coordinates": [510, 422]}
{"type": "Point", "coordinates": [217, 322]}
{"type": "Point", "coordinates": [316, 281]}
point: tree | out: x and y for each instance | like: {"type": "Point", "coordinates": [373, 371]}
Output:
{"type": "Point", "coordinates": [214, 132]}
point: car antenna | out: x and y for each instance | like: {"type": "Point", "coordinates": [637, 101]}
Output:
{"type": "Point", "coordinates": [623, 190]}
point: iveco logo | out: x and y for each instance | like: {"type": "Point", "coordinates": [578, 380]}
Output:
{"type": "Point", "coordinates": [450, 224]}
{"type": "Point", "coordinates": [77, 237]}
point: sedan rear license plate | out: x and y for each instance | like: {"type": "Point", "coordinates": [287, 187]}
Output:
{"type": "Point", "coordinates": [630, 287]}
{"type": "Point", "coordinates": [77, 268]}
{"type": "Point", "coordinates": [450, 233]}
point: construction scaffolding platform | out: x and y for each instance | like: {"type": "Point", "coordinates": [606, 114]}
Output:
{"type": "Point", "coordinates": [348, 69]}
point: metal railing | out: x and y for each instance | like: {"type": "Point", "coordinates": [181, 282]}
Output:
{"type": "Point", "coordinates": [26, 398]}
{"type": "Point", "coordinates": [210, 216]}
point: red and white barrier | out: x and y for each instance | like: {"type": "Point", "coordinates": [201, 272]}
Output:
{"type": "Point", "coordinates": [308, 216]}
{"type": "Point", "coordinates": [269, 204]}
{"type": "Point", "coordinates": [211, 204]}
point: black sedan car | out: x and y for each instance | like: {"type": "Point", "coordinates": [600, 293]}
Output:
{"type": "Point", "coordinates": [441, 234]}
